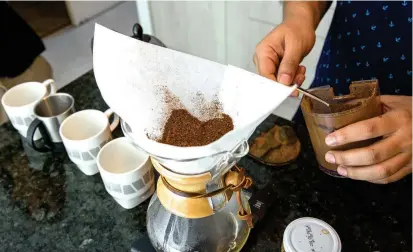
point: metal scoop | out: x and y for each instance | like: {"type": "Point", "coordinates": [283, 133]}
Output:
{"type": "Point", "coordinates": [313, 96]}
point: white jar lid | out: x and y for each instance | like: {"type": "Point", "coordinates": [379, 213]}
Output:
{"type": "Point", "coordinates": [310, 235]}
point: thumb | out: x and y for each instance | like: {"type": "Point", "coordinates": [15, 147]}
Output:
{"type": "Point", "coordinates": [288, 66]}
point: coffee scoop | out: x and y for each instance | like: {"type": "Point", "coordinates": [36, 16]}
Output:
{"type": "Point", "coordinates": [312, 96]}
{"type": "Point", "coordinates": [132, 75]}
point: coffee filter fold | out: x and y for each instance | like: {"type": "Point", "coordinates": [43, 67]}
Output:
{"type": "Point", "coordinates": [131, 76]}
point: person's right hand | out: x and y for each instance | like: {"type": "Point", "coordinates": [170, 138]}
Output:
{"type": "Point", "coordinates": [279, 54]}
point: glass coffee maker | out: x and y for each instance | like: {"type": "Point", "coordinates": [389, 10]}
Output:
{"type": "Point", "coordinates": [199, 212]}
{"type": "Point", "coordinates": [199, 204]}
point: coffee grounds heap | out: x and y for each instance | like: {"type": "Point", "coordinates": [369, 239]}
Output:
{"type": "Point", "coordinates": [184, 130]}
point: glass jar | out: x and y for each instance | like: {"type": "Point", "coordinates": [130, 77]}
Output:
{"type": "Point", "coordinates": [362, 103]}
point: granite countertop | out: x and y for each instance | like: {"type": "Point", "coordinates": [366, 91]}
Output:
{"type": "Point", "coordinates": [47, 204]}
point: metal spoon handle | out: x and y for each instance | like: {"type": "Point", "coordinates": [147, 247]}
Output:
{"type": "Point", "coordinates": [313, 96]}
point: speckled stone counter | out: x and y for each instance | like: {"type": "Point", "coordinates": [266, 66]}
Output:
{"type": "Point", "coordinates": [47, 204]}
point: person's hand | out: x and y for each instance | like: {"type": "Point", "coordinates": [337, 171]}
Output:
{"type": "Point", "coordinates": [279, 54]}
{"type": "Point", "coordinates": [385, 161]}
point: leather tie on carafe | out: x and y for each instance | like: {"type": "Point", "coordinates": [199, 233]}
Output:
{"type": "Point", "coordinates": [244, 182]}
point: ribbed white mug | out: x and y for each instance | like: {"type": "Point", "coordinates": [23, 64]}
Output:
{"type": "Point", "coordinates": [126, 172]}
{"type": "Point", "coordinates": [84, 133]}
{"type": "Point", "coordinates": [19, 102]}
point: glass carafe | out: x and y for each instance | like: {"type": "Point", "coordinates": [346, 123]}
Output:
{"type": "Point", "coordinates": [222, 231]}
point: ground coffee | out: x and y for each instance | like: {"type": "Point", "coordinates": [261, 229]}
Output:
{"type": "Point", "coordinates": [336, 108]}
{"type": "Point", "coordinates": [184, 130]}
{"type": "Point", "coordinates": [333, 108]}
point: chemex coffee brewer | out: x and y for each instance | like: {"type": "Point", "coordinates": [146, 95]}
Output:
{"type": "Point", "coordinates": [199, 212]}
{"type": "Point", "coordinates": [362, 103]}
{"type": "Point", "coordinates": [199, 204]}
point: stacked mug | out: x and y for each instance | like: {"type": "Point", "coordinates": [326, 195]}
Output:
{"type": "Point", "coordinates": [37, 112]}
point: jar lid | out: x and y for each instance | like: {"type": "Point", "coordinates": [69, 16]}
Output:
{"type": "Point", "coordinates": [310, 235]}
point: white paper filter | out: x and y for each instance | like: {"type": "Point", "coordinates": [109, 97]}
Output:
{"type": "Point", "coordinates": [129, 73]}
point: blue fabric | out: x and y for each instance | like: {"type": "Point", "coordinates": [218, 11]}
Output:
{"type": "Point", "coordinates": [368, 40]}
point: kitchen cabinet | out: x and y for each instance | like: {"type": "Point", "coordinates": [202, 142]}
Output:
{"type": "Point", "coordinates": [244, 32]}
{"type": "Point", "coordinates": [80, 11]}
{"type": "Point", "coordinates": [193, 27]}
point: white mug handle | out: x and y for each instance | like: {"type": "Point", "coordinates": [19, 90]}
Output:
{"type": "Point", "coordinates": [50, 85]}
{"type": "Point", "coordinates": [116, 120]}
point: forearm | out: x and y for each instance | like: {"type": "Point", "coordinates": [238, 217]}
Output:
{"type": "Point", "coordinates": [308, 12]}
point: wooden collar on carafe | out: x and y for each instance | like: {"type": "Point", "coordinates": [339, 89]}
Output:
{"type": "Point", "coordinates": [190, 191]}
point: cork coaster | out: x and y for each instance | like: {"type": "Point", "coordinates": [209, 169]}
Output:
{"type": "Point", "coordinates": [277, 147]}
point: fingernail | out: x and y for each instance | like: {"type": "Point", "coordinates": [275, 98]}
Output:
{"type": "Point", "coordinates": [294, 93]}
{"type": "Point", "coordinates": [285, 79]}
{"type": "Point", "coordinates": [330, 158]}
{"type": "Point", "coordinates": [342, 171]}
{"type": "Point", "coordinates": [331, 140]}
{"type": "Point", "coordinates": [300, 80]}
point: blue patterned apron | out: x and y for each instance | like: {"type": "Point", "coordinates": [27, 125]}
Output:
{"type": "Point", "coordinates": [368, 40]}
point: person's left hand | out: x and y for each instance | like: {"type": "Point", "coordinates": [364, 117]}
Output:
{"type": "Point", "coordinates": [385, 161]}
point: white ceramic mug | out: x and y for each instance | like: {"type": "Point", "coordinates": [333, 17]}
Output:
{"type": "Point", "coordinates": [126, 172]}
{"type": "Point", "coordinates": [19, 102]}
{"type": "Point", "coordinates": [84, 133]}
